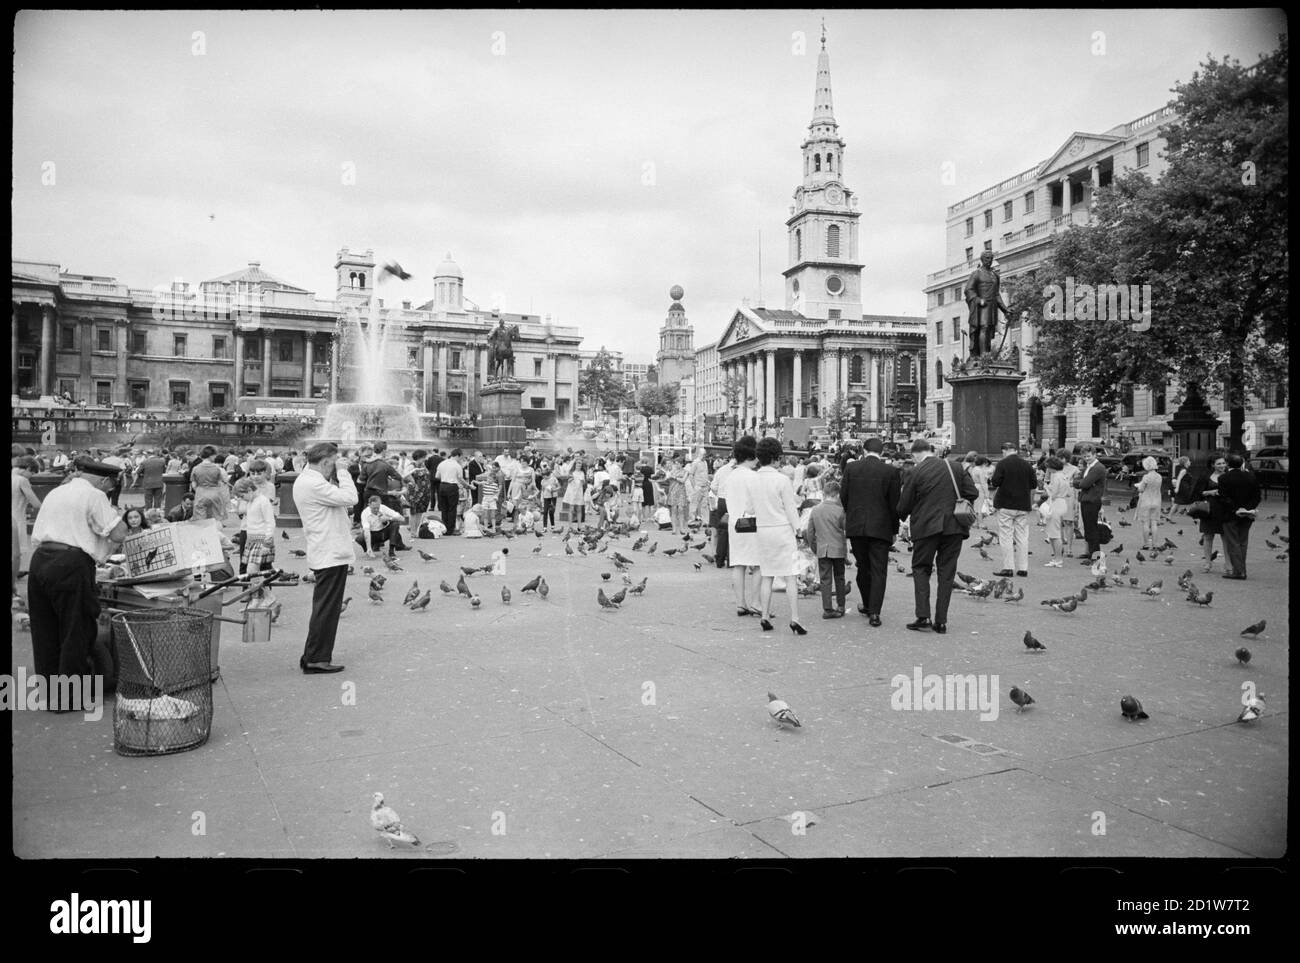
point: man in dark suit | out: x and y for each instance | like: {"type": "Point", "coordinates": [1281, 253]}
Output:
{"type": "Point", "coordinates": [928, 498]}
{"type": "Point", "coordinates": [1091, 483]}
{"type": "Point", "coordinates": [1239, 490]}
{"type": "Point", "coordinates": [869, 495]}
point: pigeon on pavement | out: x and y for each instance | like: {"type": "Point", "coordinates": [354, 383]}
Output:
{"type": "Point", "coordinates": [639, 587]}
{"type": "Point", "coordinates": [1153, 590]}
{"type": "Point", "coordinates": [445, 587]}
{"type": "Point", "coordinates": [531, 585]}
{"type": "Point", "coordinates": [1132, 709]}
{"type": "Point", "coordinates": [1243, 655]}
{"type": "Point", "coordinates": [425, 555]}
{"type": "Point", "coordinates": [422, 603]}
{"type": "Point", "coordinates": [413, 593]}
{"type": "Point", "coordinates": [1021, 698]}
{"type": "Point", "coordinates": [1252, 710]}
{"type": "Point", "coordinates": [543, 589]}
{"type": "Point", "coordinates": [780, 710]}
{"type": "Point", "coordinates": [463, 589]}
{"type": "Point", "coordinates": [375, 596]}
{"type": "Point", "coordinates": [1032, 644]}
{"type": "Point", "coordinates": [1256, 630]}
{"type": "Point", "coordinates": [605, 603]}
{"type": "Point", "coordinates": [505, 594]}
{"type": "Point", "coordinates": [389, 826]}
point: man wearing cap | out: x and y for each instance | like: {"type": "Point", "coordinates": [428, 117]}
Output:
{"type": "Point", "coordinates": [75, 528]}
{"type": "Point", "coordinates": [1013, 484]}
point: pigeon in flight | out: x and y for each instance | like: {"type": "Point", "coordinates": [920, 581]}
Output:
{"type": "Point", "coordinates": [395, 269]}
{"type": "Point", "coordinates": [780, 710]}
{"type": "Point", "coordinates": [297, 553]}
{"type": "Point", "coordinates": [389, 826]}
{"type": "Point", "coordinates": [1021, 698]}
{"type": "Point", "coordinates": [1132, 709]}
{"type": "Point", "coordinates": [1032, 644]}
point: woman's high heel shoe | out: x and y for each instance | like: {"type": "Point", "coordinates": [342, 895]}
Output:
{"type": "Point", "coordinates": [798, 629]}
{"type": "Point", "coordinates": [767, 626]}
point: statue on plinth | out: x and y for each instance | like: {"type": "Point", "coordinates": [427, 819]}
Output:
{"type": "Point", "coordinates": [501, 355]}
{"type": "Point", "coordinates": [983, 294]}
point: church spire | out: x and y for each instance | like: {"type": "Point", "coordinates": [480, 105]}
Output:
{"type": "Point", "coordinates": [823, 113]}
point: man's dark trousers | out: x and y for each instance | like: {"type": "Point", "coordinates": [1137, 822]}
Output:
{"type": "Point", "coordinates": [828, 570]}
{"type": "Point", "coordinates": [448, 499]}
{"type": "Point", "coordinates": [1236, 536]}
{"type": "Point", "coordinates": [872, 558]}
{"type": "Point", "coordinates": [326, 600]}
{"type": "Point", "coordinates": [926, 553]}
{"type": "Point", "coordinates": [64, 608]}
{"type": "Point", "coordinates": [720, 527]}
{"type": "Point", "coordinates": [1090, 511]}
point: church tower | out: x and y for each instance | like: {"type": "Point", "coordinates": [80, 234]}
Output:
{"type": "Point", "coordinates": [824, 279]}
{"type": "Point", "coordinates": [356, 277]}
{"type": "Point", "coordinates": [676, 357]}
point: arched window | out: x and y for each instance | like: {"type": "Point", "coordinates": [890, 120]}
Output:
{"type": "Point", "coordinates": [906, 370]}
{"type": "Point", "coordinates": [856, 375]}
{"type": "Point", "coordinates": [361, 281]}
{"type": "Point", "coordinates": [830, 162]}
{"type": "Point", "coordinates": [798, 244]}
{"type": "Point", "coordinates": [817, 162]}
{"type": "Point", "coordinates": [833, 241]}
{"type": "Point", "coordinates": [352, 279]}
{"type": "Point", "coordinates": [938, 374]}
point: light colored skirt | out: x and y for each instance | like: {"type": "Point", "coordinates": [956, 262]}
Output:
{"type": "Point", "coordinates": [776, 550]}
{"type": "Point", "coordinates": [742, 548]}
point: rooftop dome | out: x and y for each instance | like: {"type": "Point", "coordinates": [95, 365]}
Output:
{"type": "Point", "coordinates": [449, 269]}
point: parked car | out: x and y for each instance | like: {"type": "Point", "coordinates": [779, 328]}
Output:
{"type": "Point", "coordinates": [1108, 455]}
{"type": "Point", "coordinates": [1278, 452]}
{"type": "Point", "coordinates": [1272, 473]}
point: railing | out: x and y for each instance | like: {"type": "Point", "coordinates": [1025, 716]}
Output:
{"type": "Point", "coordinates": [1146, 120]}
{"type": "Point", "coordinates": [78, 422]}
{"type": "Point", "coordinates": [994, 191]}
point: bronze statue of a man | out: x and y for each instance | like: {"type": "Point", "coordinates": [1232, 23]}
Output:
{"type": "Point", "coordinates": [983, 296]}
{"type": "Point", "coordinates": [501, 356]}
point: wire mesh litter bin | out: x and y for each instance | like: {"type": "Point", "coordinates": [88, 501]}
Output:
{"type": "Point", "coordinates": [164, 681]}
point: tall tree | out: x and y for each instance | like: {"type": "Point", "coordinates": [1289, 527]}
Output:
{"type": "Point", "coordinates": [837, 414]}
{"type": "Point", "coordinates": [1209, 239]}
{"type": "Point", "coordinates": [601, 387]}
{"type": "Point", "coordinates": [656, 401]}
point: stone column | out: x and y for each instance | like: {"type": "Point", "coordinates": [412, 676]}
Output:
{"type": "Point", "coordinates": [48, 313]}
{"type": "Point", "coordinates": [769, 383]}
{"type": "Point", "coordinates": [308, 359]}
{"type": "Point", "coordinates": [745, 411]}
{"type": "Point", "coordinates": [876, 414]}
{"type": "Point", "coordinates": [443, 351]}
{"type": "Point", "coordinates": [239, 366]}
{"type": "Point", "coordinates": [760, 387]}
{"type": "Point", "coordinates": [334, 369]}
{"type": "Point", "coordinates": [427, 394]}
{"type": "Point", "coordinates": [844, 371]}
{"type": "Point", "coordinates": [120, 396]}
{"type": "Point", "coordinates": [266, 365]}
{"type": "Point", "coordinates": [1094, 172]}
{"type": "Point", "coordinates": [796, 373]}
{"type": "Point", "coordinates": [13, 355]}
{"type": "Point", "coordinates": [1065, 194]}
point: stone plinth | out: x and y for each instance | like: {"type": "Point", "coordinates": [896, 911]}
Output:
{"type": "Point", "coordinates": [288, 516]}
{"type": "Point", "coordinates": [1196, 429]}
{"type": "Point", "coordinates": [501, 420]}
{"type": "Point", "coordinates": [984, 408]}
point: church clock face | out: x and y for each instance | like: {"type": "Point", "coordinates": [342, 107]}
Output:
{"type": "Point", "coordinates": [834, 195]}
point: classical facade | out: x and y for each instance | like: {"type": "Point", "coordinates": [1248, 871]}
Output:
{"type": "Point", "coordinates": [822, 347]}
{"type": "Point", "coordinates": [248, 337]}
{"type": "Point", "coordinates": [1018, 219]}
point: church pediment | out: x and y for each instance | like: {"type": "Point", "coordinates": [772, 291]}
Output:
{"type": "Point", "coordinates": [743, 327]}
{"type": "Point", "coordinates": [1076, 148]}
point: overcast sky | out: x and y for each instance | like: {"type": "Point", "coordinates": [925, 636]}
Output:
{"type": "Point", "coordinates": [520, 142]}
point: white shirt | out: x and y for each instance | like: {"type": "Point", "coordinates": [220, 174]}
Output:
{"type": "Point", "coordinates": [77, 513]}
{"type": "Point", "coordinates": [259, 522]}
{"type": "Point", "coordinates": [450, 472]}
{"type": "Point", "coordinates": [325, 517]}
{"type": "Point", "coordinates": [378, 522]}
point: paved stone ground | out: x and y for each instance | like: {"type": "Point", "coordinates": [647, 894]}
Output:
{"type": "Point", "coordinates": [524, 730]}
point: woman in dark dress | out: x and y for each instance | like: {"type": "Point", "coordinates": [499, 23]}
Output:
{"type": "Point", "coordinates": [1206, 489]}
{"type": "Point", "coordinates": [647, 486]}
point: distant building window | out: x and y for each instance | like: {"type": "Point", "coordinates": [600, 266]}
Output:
{"type": "Point", "coordinates": [286, 349]}
{"type": "Point", "coordinates": [537, 402]}
{"type": "Point", "coordinates": [139, 342]}
{"type": "Point", "coordinates": [413, 357]}
{"type": "Point", "coordinates": [1158, 401]}
{"type": "Point", "coordinates": [1143, 154]}
{"type": "Point", "coordinates": [455, 360]}
{"type": "Point", "coordinates": [833, 314]}
{"type": "Point", "coordinates": [180, 391]}
{"type": "Point", "coordinates": [988, 245]}
{"type": "Point", "coordinates": [970, 226]}
{"type": "Point", "coordinates": [178, 347]}
{"type": "Point", "coordinates": [1006, 210]}
{"type": "Point", "coordinates": [1076, 192]}
{"type": "Point", "coordinates": [217, 396]}
{"type": "Point", "coordinates": [938, 413]}
{"type": "Point", "coordinates": [988, 218]}
{"type": "Point", "coordinates": [1006, 239]}
{"type": "Point", "coordinates": [139, 392]}
{"type": "Point", "coordinates": [970, 254]}
{"type": "Point", "coordinates": [938, 378]}
{"type": "Point", "coordinates": [218, 346]}
{"type": "Point", "coordinates": [939, 295]}
{"type": "Point", "coordinates": [1029, 203]}
{"type": "Point", "coordinates": [798, 247]}
{"type": "Point", "coordinates": [1126, 401]}
{"type": "Point", "coordinates": [537, 367]}
{"type": "Point", "coordinates": [906, 370]}
{"type": "Point", "coordinates": [856, 373]}
{"type": "Point", "coordinates": [956, 329]}
{"type": "Point", "coordinates": [938, 332]}
{"type": "Point", "coordinates": [67, 337]}
{"type": "Point", "coordinates": [1275, 396]}
{"type": "Point", "coordinates": [68, 386]}
{"type": "Point", "coordinates": [833, 241]}
{"type": "Point", "coordinates": [103, 393]}
{"type": "Point", "coordinates": [103, 339]}
{"type": "Point", "coordinates": [253, 349]}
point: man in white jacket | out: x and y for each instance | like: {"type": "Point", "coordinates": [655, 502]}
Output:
{"type": "Point", "coordinates": [324, 493]}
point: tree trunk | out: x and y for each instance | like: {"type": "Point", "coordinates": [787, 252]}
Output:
{"type": "Point", "coordinates": [1236, 405]}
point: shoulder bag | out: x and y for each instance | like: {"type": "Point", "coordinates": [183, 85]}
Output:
{"type": "Point", "coordinates": [963, 512]}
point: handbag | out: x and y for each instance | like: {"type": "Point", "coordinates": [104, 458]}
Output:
{"type": "Point", "coordinates": [1199, 509]}
{"type": "Point", "coordinates": [746, 523]}
{"type": "Point", "coordinates": [1045, 509]}
{"type": "Point", "coordinates": [963, 511]}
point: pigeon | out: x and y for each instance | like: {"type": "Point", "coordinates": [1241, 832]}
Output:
{"type": "Point", "coordinates": [1019, 596]}
{"type": "Point", "coordinates": [702, 546]}
{"type": "Point", "coordinates": [543, 589]}
{"type": "Point", "coordinates": [425, 555]}
{"type": "Point", "coordinates": [619, 596]}
{"type": "Point", "coordinates": [1272, 544]}
{"type": "Point", "coordinates": [392, 564]}
{"type": "Point", "coordinates": [999, 587]}
{"type": "Point", "coordinates": [640, 543]}
{"type": "Point", "coordinates": [531, 586]}
{"type": "Point", "coordinates": [1123, 570]}
{"type": "Point", "coordinates": [395, 269]}
{"type": "Point", "coordinates": [618, 557]}
{"type": "Point", "coordinates": [985, 555]}
{"type": "Point", "coordinates": [386, 822]}
{"type": "Point", "coordinates": [505, 594]}
{"type": "Point", "coordinates": [1185, 579]}
{"type": "Point", "coordinates": [367, 570]}
{"type": "Point", "coordinates": [1032, 644]}
{"type": "Point", "coordinates": [981, 591]}
{"type": "Point", "coordinates": [475, 601]}
{"type": "Point", "coordinates": [1139, 556]}
{"type": "Point", "coordinates": [463, 589]}
{"type": "Point", "coordinates": [1134, 581]}
{"type": "Point", "coordinates": [605, 603]}
{"type": "Point", "coordinates": [582, 548]}
{"type": "Point", "coordinates": [1256, 630]}
{"type": "Point", "coordinates": [967, 579]}
{"type": "Point", "coordinates": [1243, 655]}
{"type": "Point", "coordinates": [284, 535]}
{"type": "Point", "coordinates": [1154, 588]}
{"type": "Point", "coordinates": [708, 559]}
{"type": "Point", "coordinates": [1285, 538]}
{"type": "Point", "coordinates": [1132, 709]}
{"type": "Point", "coordinates": [297, 553]}
{"type": "Point", "coordinates": [344, 606]}
{"type": "Point", "coordinates": [1169, 559]}
{"type": "Point", "coordinates": [604, 576]}
{"type": "Point", "coordinates": [699, 567]}
{"type": "Point", "coordinates": [1277, 529]}
{"type": "Point", "coordinates": [1168, 545]}
{"type": "Point", "coordinates": [568, 549]}
{"type": "Point", "coordinates": [445, 587]}
{"type": "Point", "coordinates": [1083, 595]}
{"type": "Point", "coordinates": [652, 548]}
{"type": "Point", "coordinates": [413, 593]}
{"type": "Point", "coordinates": [639, 587]}
{"type": "Point", "coordinates": [1252, 710]}
{"type": "Point", "coordinates": [422, 603]}
{"type": "Point", "coordinates": [470, 571]}
{"type": "Point", "coordinates": [378, 581]}
{"type": "Point", "coordinates": [1202, 600]}
{"type": "Point", "coordinates": [620, 566]}
{"type": "Point", "coordinates": [537, 550]}
{"type": "Point", "coordinates": [1214, 555]}
{"type": "Point", "coordinates": [780, 710]}
{"type": "Point", "coordinates": [375, 596]}
{"type": "Point", "coordinates": [1117, 550]}
{"type": "Point", "coordinates": [1021, 698]}
{"type": "Point", "coordinates": [1063, 605]}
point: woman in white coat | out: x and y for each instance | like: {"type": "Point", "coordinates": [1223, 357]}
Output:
{"type": "Point", "coordinates": [742, 548]}
{"type": "Point", "coordinates": [772, 502]}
